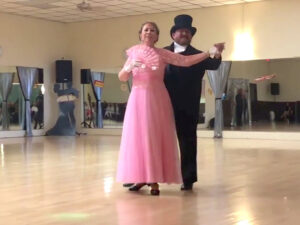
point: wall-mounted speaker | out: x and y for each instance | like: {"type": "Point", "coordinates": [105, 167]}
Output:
{"type": "Point", "coordinates": [40, 76]}
{"type": "Point", "coordinates": [275, 89]}
{"type": "Point", "coordinates": [85, 76]}
{"type": "Point", "coordinates": [63, 71]}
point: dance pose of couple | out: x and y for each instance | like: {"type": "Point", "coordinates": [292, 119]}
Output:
{"type": "Point", "coordinates": [163, 105]}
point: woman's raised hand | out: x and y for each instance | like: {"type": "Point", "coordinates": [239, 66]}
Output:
{"type": "Point", "coordinates": [217, 50]}
{"type": "Point", "coordinates": [220, 46]}
{"type": "Point", "coordinates": [212, 52]}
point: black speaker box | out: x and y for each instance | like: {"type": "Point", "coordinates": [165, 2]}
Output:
{"type": "Point", "coordinates": [63, 71]}
{"type": "Point", "coordinates": [275, 88]}
{"type": "Point", "coordinates": [40, 76]}
{"type": "Point", "coordinates": [85, 76]}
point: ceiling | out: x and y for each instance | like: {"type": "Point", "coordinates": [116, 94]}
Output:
{"type": "Point", "coordinates": [67, 11]}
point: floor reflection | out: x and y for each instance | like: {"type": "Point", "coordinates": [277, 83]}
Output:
{"type": "Point", "coordinates": [71, 180]}
{"type": "Point", "coordinates": [2, 155]}
{"type": "Point", "coordinates": [267, 126]}
{"type": "Point", "coordinates": [255, 126]}
{"type": "Point", "coordinates": [149, 210]}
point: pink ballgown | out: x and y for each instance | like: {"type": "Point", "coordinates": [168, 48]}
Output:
{"type": "Point", "coordinates": [149, 151]}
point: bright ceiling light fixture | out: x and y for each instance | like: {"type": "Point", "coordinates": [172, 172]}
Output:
{"type": "Point", "coordinates": [243, 46]}
{"type": "Point", "coordinates": [243, 43]}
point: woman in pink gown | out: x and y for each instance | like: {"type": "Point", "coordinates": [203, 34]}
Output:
{"type": "Point", "coordinates": [149, 152]}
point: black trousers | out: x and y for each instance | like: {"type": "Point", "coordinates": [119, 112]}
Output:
{"type": "Point", "coordinates": [239, 113]}
{"type": "Point", "coordinates": [186, 126]}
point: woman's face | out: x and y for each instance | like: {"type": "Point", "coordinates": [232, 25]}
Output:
{"type": "Point", "coordinates": [149, 34]}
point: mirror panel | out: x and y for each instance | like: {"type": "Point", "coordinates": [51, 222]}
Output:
{"type": "Point", "coordinates": [89, 106]}
{"type": "Point", "coordinates": [270, 89]}
{"type": "Point", "coordinates": [113, 101]}
{"type": "Point", "coordinates": [16, 103]}
{"type": "Point", "coordinates": [115, 97]}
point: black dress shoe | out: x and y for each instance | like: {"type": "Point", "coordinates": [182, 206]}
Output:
{"type": "Point", "coordinates": [128, 184]}
{"type": "Point", "coordinates": [187, 187]}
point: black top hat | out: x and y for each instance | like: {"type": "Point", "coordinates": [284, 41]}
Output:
{"type": "Point", "coordinates": [183, 21]}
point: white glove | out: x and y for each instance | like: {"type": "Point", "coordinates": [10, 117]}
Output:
{"type": "Point", "coordinates": [213, 51]}
{"type": "Point", "coordinates": [128, 68]}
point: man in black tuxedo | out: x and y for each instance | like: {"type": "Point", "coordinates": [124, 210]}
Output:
{"type": "Point", "coordinates": [184, 87]}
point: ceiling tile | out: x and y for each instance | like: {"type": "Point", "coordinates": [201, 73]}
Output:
{"type": "Point", "coordinates": [179, 4]}
{"type": "Point", "coordinates": [211, 4]}
{"type": "Point", "coordinates": [66, 11]}
{"type": "Point", "coordinates": [166, 1]}
{"type": "Point", "coordinates": [148, 3]}
{"type": "Point", "coordinates": [113, 2]}
{"type": "Point", "coordinates": [198, 1]}
{"type": "Point", "coordinates": [135, 1]}
{"type": "Point", "coordinates": [192, 6]}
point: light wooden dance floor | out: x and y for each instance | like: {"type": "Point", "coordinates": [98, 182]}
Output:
{"type": "Point", "coordinates": [71, 180]}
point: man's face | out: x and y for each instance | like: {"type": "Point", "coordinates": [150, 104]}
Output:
{"type": "Point", "coordinates": [182, 36]}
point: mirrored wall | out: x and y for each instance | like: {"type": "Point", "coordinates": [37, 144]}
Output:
{"type": "Point", "coordinates": [114, 96]}
{"type": "Point", "coordinates": [260, 95]}
{"type": "Point", "coordinates": [263, 95]}
{"type": "Point", "coordinates": [12, 104]}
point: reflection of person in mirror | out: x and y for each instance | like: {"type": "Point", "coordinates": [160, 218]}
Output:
{"type": "Point", "coordinates": [148, 152]}
{"type": "Point", "coordinates": [109, 111]}
{"type": "Point", "coordinates": [39, 115]}
{"type": "Point", "coordinates": [184, 86]}
{"type": "Point", "coordinates": [245, 106]}
{"type": "Point", "coordinates": [239, 107]}
{"type": "Point", "coordinates": [13, 110]}
{"type": "Point", "coordinates": [288, 113]}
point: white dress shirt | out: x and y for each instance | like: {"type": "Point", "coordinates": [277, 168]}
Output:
{"type": "Point", "coordinates": [179, 48]}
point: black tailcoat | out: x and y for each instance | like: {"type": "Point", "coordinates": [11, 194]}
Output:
{"type": "Point", "coordinates": [184, 86]}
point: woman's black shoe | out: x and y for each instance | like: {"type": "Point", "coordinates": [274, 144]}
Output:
{"type": "Point", "coordinates": [128, 185]}
{"type": "Point", "coordinates": [137, 187]}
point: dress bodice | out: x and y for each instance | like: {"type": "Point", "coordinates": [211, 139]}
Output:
{"type": "Point", "coordinates": [153, 63]}
{"type": "Point", "coordinates": [152, 66]}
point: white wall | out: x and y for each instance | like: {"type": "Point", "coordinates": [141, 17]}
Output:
{"type": "Point", "coordinates": [100, 44]}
